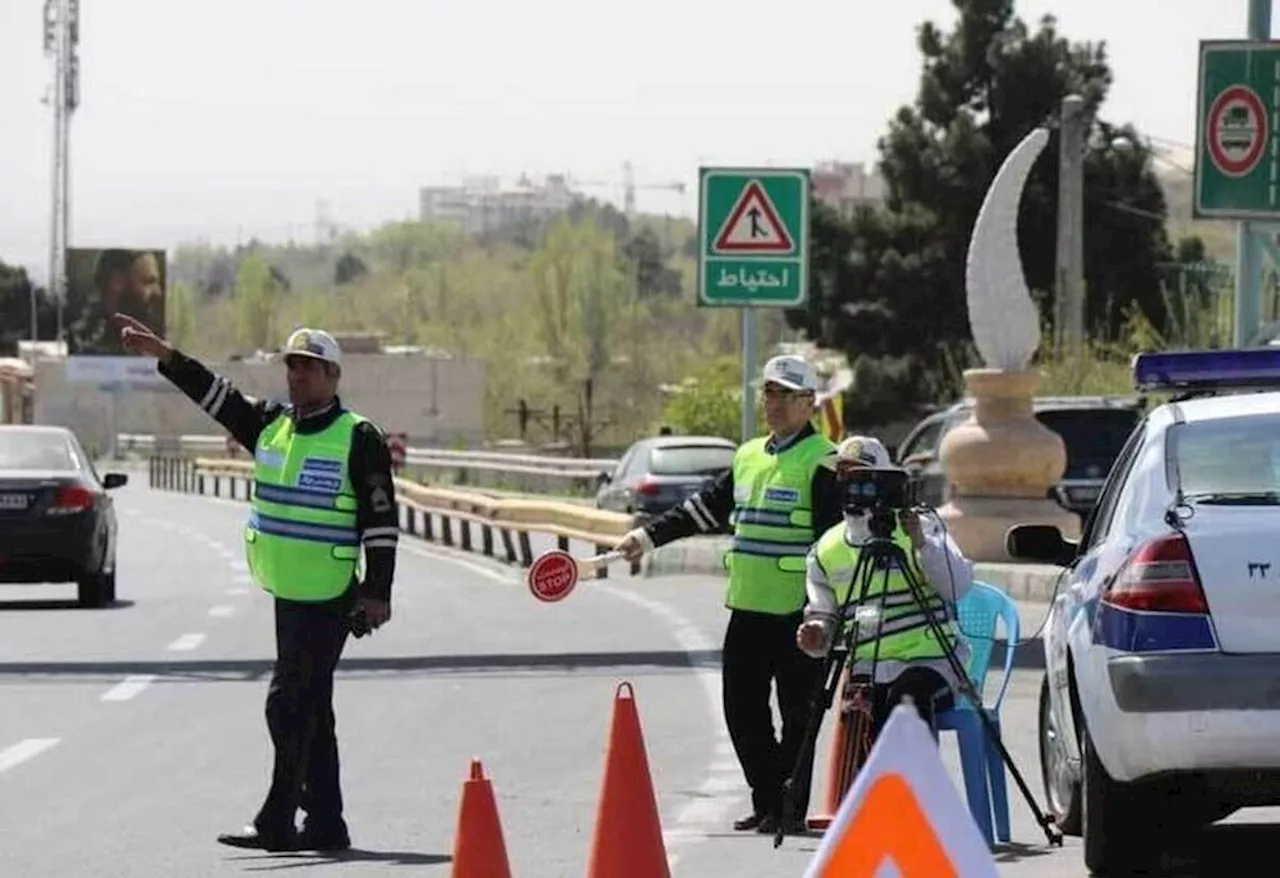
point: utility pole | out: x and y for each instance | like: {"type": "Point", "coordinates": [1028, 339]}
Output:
{"type": "Point", "coordinates": [61, 41]}
{"type": "Point", "coordinates": [1069, 294]}
{"type": "Point", "coordinates": [1249, 254]}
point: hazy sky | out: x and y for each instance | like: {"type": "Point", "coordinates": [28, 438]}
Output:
{"type": "Point", "coordinates": [235, 118]}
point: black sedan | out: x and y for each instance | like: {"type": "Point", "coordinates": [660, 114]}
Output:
{"type": "Point", "coordinates": [57, 521]}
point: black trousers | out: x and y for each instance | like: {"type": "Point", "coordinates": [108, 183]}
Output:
{"type": "Point", "coordinates": [305, 773]}
{"type": "Point", "coordinates": [928, 690]}
{"type": "Point", "coordinates": [759, 651]}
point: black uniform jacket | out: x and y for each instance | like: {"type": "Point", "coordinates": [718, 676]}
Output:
{"type": "Point", "coordinates": [710, 508]}
{"type": "Point", "coordinates": [369, 462]}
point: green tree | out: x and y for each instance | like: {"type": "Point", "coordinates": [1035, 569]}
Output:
{"type": "Point", "coordinates": [708, 403]}
{"type": "Point", "coordinates": [15, 310]}
{"type": "Point", "coordinates": [179, 317]}
{"type": "Point", "coordinates": [895, 301]}
{"type": "Point", "coordinates": [578, 290]}
{"type": "Point", "coordinates": [256, 297]}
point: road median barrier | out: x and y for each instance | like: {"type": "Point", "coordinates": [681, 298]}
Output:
{"type": "Point", "coordinates": [501, 526]}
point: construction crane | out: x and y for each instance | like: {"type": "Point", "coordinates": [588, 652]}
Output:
{"type": "Point", "coordinates": [629, 187]}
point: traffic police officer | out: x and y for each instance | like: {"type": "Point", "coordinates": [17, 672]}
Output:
{"type": "Point", "coordinates": [910, 661]}
{"type": "Point", "coordinates": [780, 495]}
{"type": "Point", "coordinates": [323, 489]}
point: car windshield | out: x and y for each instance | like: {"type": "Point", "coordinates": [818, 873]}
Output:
{"type": "Point", "coordinates": [1232, 460]}
{"type": "Point", "coordinates": [35, 451]}
{"type": "Point", "coordinates": [680, 460]}
{"type": "Point", "coordinates": [1093, 437]}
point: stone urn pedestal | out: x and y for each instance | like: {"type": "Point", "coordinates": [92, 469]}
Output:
{"type": "Point", "coordinates": [1001, 463]}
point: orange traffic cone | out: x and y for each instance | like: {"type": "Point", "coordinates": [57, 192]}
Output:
{"type": "Point", "coordinates": [628, 834]}
{"type": "Point", "coordinates": [478, 848]}
{"type": "Point", "coordinates": [839, 776]}
{"type": "Point", "coordinates": [844, 759]}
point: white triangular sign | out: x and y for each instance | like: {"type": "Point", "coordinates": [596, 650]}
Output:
{"type": "Point", "coordinates": [903, 815]}
{"type": "Point", "coordinates": [753, 226]}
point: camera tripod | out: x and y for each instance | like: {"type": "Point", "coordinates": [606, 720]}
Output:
{"type": "Point", "coordinates": [882, 556]}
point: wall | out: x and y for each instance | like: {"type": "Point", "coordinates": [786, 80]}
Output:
{"type": "Point", "coordinates": [437, 402]}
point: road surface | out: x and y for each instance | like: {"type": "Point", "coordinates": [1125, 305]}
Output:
{"type": "Point", "coordinates": [133, 735]}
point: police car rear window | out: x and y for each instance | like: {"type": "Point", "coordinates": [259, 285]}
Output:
{"type": "Point", "coordinates": [1233, 455]}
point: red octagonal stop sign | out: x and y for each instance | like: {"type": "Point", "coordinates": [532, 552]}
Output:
{"type": "Point", "coordinates": [552, 576]}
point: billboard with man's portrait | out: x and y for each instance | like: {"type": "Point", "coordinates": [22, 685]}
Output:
{"type": "Point", "coordinates": [102, 282]}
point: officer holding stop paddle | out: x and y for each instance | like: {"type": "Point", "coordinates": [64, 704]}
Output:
{"type": "Point", "coordinates": [780, 495]}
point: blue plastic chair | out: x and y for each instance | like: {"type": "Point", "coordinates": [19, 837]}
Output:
{"type": "Point", "coordinates": [980, 763]}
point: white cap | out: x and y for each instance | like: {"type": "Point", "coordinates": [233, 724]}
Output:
{"type": "Point", "coordinates": [864, 450]}
{"type": "Point", "coordinates": [314, 343]}
{"type": "Point", "coordinates": [790, 371]}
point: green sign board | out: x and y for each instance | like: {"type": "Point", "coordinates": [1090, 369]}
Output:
{"type": "Point", "coordinates": [1238, 108]}
{"type": "Point", "coordinates": [753, 237]}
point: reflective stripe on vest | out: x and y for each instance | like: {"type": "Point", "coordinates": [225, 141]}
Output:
{"type": "Point", "coordinates": [773, 524]}
{"type": "Point", "coordinates": [903, 631]}
{"type": "Point", "coordinates": [302, 541]}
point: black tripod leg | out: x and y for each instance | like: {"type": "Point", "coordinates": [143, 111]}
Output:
{"type": "Point", "coordinates": [1047, 822]}
{"type": "Point", "coordinates": [823, 695]}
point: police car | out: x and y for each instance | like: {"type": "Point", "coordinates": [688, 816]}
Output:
{"type": "Point", "coordinates": [1160, 707]}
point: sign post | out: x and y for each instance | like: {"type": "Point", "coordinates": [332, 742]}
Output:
{"type": "Point", "coordinates": [1237, 166]}
{"type": "Point", "coordinates": [753, 250]}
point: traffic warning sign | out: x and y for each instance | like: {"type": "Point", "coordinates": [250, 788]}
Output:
{"type": "Point", "coordinates": [753, 226]}
{"type": "Point", "coordinates": [903, 816]}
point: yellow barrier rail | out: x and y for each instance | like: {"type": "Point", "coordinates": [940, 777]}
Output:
{"type": "Point", "coordinates": [442, 515]}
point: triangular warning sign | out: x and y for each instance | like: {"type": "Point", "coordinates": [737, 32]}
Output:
{"type": "Point", "coordinates": [753, 226]}
{"type": "Point", "coordinates": [904, 813]}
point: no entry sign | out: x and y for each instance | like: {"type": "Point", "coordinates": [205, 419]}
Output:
{"type": "Point", "coordinates": [1237, 130]}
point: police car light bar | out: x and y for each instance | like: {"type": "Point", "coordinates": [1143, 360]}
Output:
{"type": "Point", "coordinates": [1183, 370]}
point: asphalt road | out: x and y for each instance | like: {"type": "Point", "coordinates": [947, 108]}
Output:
{"type": "Point", "coordinates": [132, 735]}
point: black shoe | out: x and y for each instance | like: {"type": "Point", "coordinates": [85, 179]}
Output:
{"type": "Point", "coordinates": [751, 821]}
{"type": "Point", "coordinates": [251, 837]}
{"type": "Point", "coordinates": [792, 826]}
{"type": "Point", "coordinates": [324, 839]}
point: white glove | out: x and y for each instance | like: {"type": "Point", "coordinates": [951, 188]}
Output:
{"type": "Point", "coordinates": [634, 544]}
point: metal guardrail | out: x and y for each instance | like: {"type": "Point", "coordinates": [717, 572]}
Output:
{"type": "Point", "coordinates": [446, 516]}
{"type": "Point", "coordinates": [530, 472]}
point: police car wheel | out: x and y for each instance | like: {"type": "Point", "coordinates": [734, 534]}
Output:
{"type": "Point", "coordinates": [1118, 836]}
{"type": "Point", "coordinates": [1061, 787]}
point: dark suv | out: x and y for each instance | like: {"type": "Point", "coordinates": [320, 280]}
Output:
{"type": "Point", "coordinates": [1093, 428]}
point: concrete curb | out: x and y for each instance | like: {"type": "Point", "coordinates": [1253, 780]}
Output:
{"type": "Point", "coordinates": [704, 556]}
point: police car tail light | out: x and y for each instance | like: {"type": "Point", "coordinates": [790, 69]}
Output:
{"type": "Point", "coordinates": [1160, 577]}
{"type": "Point", "coordinates": [1190, 370]}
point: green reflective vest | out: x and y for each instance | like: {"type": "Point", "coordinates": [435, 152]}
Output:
{"type": "Point", "coordinates": [772, 524]}
{"type": "Point", "coordinates": [302, 541]}
{"type": "Point", "coordinates": [905, 634]}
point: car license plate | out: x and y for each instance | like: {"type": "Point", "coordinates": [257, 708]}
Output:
{"type": "Point", "coordinates": [13, 501]}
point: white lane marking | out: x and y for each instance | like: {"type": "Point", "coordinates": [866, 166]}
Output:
{"type": "Point", "coordinates": [502, 576]}
{"type": "Point", "coordinates": [222, 611]}
{"type": "Point", "coordinates": [238, 590]}
{"type": "Point", "coordinates": [722, 785]}
{"type": "Point", "coordinates": [239, 566]}
{"type": "Point", "coordinates": [187, 642]}
{"type": "Point", "coordinates": [128, 687]}
{"type": "Point", "coordinates": [24, 750]}
{"type": "Point", "coordinates": [712, 805]}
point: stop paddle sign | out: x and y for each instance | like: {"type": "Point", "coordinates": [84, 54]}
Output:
{"type": "Point", "coordinates": [552, 576]}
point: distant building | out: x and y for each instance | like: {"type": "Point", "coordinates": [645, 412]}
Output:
{"type": "Point", "coordinates": [482, 204]}
{"type": "Point", "coordinates": [845, 185]}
